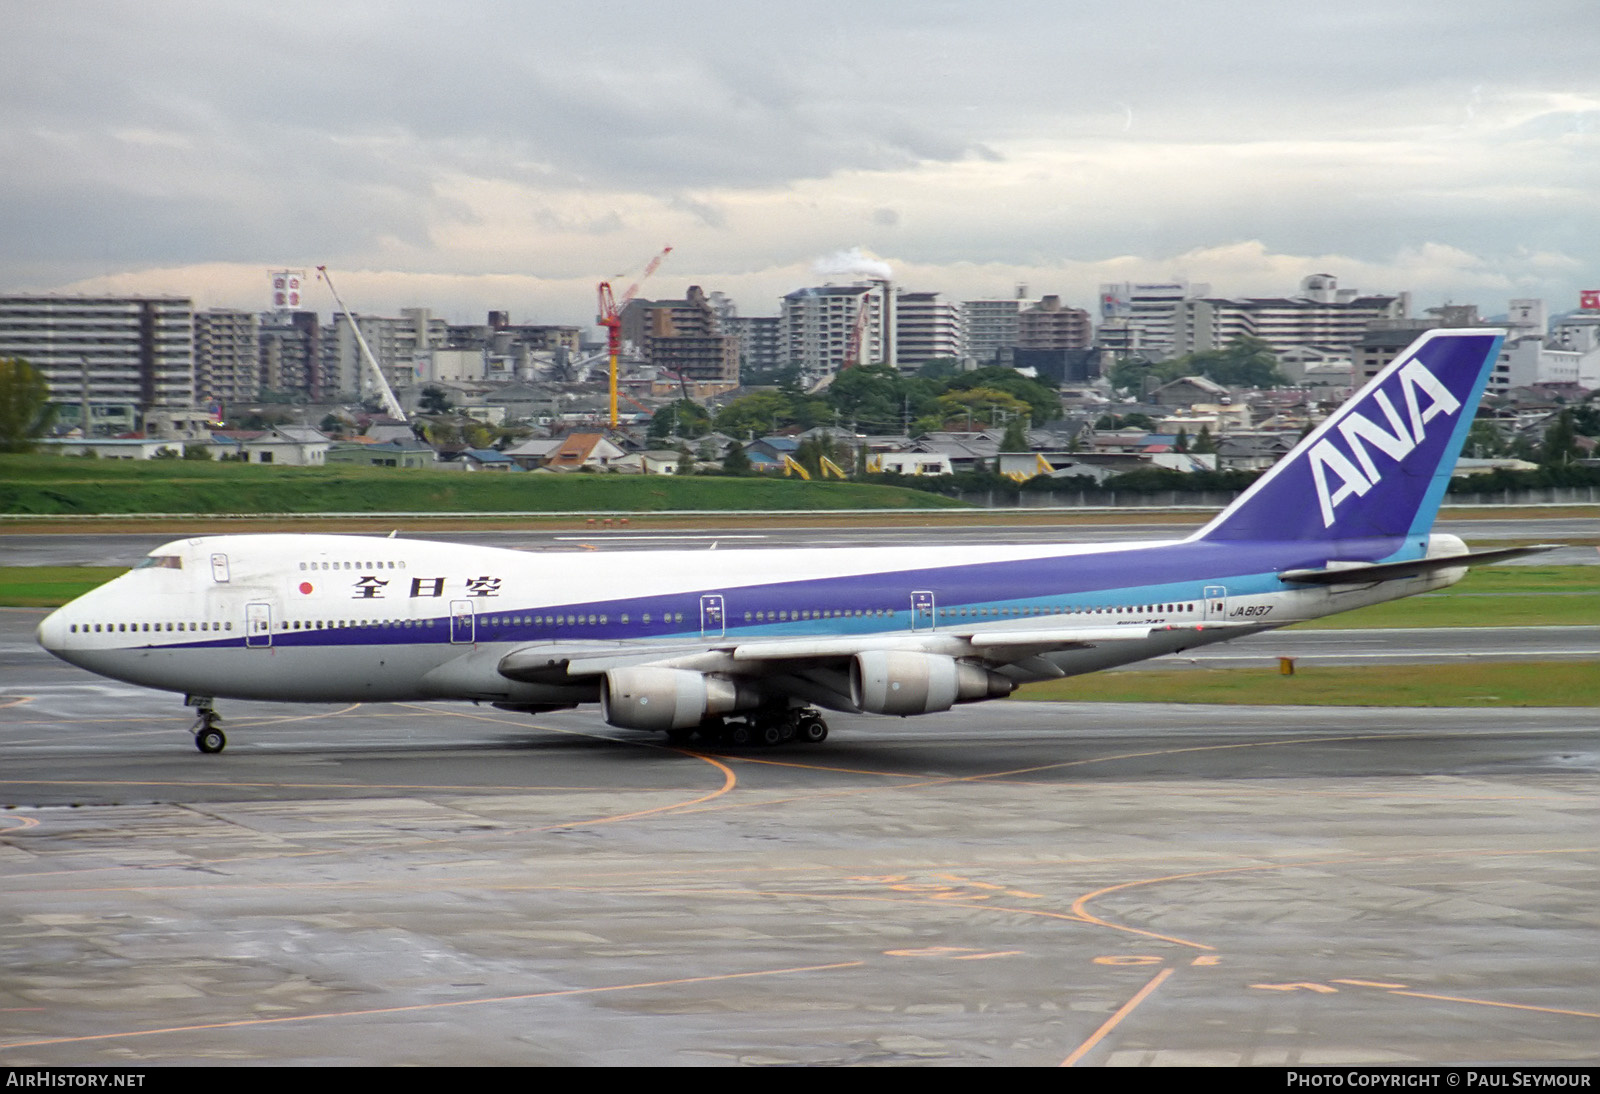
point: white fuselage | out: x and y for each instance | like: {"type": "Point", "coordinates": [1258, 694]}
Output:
{"type": "Point", "coordinates": [350, 618]}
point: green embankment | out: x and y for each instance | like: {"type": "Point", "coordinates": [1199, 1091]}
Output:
{"type": "Point", "coordinates": [53, 485]}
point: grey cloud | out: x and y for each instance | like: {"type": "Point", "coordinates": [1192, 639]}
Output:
{"type": "Point", "coordinates": [327, 129]}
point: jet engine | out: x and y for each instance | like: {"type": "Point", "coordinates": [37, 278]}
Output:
{"type": "Point", "coordinates": [899, 682]}
{"type": "Point", "coordinates": [658, 698]}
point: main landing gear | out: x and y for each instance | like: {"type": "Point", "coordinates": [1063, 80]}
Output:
{"type": "Point", "coordinates": [207, 737]}
{"type": "Point", "coordinates": [763, 727]}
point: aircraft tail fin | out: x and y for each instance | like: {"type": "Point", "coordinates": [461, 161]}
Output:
{"type": "Point", "coordinates": [1377, 468]}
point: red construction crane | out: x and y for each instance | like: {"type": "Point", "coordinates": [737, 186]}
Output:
{"type": "Point", "coordinates": [858, 334]}
{"type": "Point", "coordinates": [611, 318]}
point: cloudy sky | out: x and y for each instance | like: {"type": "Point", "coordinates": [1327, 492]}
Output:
{"type": "Point", "coordinates": [483, 155]}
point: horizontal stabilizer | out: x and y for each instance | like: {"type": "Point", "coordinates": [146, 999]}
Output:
{"type": "Point", "coordinates": [1361, 573]}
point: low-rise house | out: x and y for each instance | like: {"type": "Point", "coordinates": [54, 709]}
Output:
{"type": "Point", "coordinates": [1253, 451]}
{"type": "Point", "coordinates": [579, 450]}
{"type": "Point", "coordinates": [287, 445]}
{"type": "Point", "coordinates": [654, 461]}
{"type": "Point", "coordinates": [112, 448]}
{"type": "Point", "coordinates": [368, 453]}
{"type": "Point", "coordinates": [910, 463]}
{"type": "Point", "coordinates": [1189, 390]}
{"type": "Point", "coordinates": [485, 459]}
{"type": "Point", "coordinates": [532, 452]}
{"type": "Point", "coordinates": [767, 453]}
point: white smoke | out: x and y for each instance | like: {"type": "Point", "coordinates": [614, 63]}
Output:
{"type": "Point", "coordinates": [852, 263]}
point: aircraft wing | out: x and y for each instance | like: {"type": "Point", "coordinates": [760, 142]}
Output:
{"type": "Point", "coordinates": [548, 663]}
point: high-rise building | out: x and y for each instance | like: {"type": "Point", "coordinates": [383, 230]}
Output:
{"type": "Point", "coordinates": [821, 327]}
{"type": "Point", "coordinates": [291, 354]}
{"type": "Point", "coordinates": [1140, 317]}
{"type": "Point", "coordinates": [760, 344]}
{"type": "Point", "coordinates": [926, 326]}
{"type": "Point", "coordinates": [1321, 315]}
{"type": "Point", "coordinates": [684, 336]}
{"type": "Point", "coordinates": [989, 326]}
{"type": "Point", "coordinates": [1049, 324]}
{"type": "Point", "coordinates": [227, 355]}
{"type": "Point", "coordinates": [394, 344]}
{"type": "Point", "coordinates": [134, 350]}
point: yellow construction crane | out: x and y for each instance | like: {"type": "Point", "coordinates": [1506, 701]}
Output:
{"type": "Point", "coordinates": [611, 319]}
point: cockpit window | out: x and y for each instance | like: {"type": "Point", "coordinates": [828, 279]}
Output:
{"type": "Point", "coordinates": [165, 562]}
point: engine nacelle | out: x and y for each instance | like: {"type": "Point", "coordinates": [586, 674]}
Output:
{"type": "Point", "coordinates": [659, 698]}
{"type": "Point", "coordinates": [897, 682]}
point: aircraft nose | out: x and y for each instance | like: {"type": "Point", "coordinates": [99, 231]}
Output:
{"type": "Point", "coordinates": [52, 632]}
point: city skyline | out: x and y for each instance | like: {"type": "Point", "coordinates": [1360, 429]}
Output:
{"type": "Point", "coordinates": [497, 156]}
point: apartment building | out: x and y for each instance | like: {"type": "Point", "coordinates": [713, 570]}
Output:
{"type": "Point", "coordinates": [227, 355]}
{"type": "Point", "coordinates": [1321, 315]}
{"type": "Point", "coordinates": [926, 326]}
{"type": "Point", "coordinates": [817, 326]}
{"type": "Point", "coordinates": [684, 337]}
{"type": "Point", "coordinates": [1050, 324]}
{"type": "Point", "coordinates": [989, 326]}
{"type": "Point", "coordinates": [1141, 317]}
{"type": "Point", "coordinates": [133, 350]}
{"type": "Point", "coordinates": [291, 354]}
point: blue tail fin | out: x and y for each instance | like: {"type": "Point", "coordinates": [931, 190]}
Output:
{"type": "Point", "coordinates": [1378, 467]}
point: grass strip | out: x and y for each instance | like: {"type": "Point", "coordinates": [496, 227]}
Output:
{"type": "Point", "coordinates": [1486, 684]}
{"type": "Point", "coordinates": [50, 586]}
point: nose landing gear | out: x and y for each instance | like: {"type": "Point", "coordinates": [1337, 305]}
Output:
{"type": "Point", "coordinates": [207, 737]}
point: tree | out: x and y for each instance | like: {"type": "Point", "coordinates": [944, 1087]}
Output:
{"type": "Point", "coordinates": [1243, 362]}
{"type": "Point", "coordinates": [810, 453]}
{"type": "Point", "coordinates": [1586, 420]}
{"type": "Point", "coordinates": [434, 401]}
{"type": "Point", "coordinates": [979, 405]}
{"type": "Point", "coordinates": [1044, 403]}
{"type": "Point", "coordinates": [681, 418]}
{"type": "Point", "coordinates": [1204, 443]}
{"type": "Point", "coordinates": [737, 461]}
{"type": "Point", "coordinates": [1559, 448]}
{"type": "Point", "coordinates": [1484, 440]}
{"type": "Point", "coordinates": [25, 410]}
{"type": "Point", "coordinates": [1016, 437]}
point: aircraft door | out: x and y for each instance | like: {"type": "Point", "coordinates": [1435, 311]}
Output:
{"type": "Point", "coordinates": [712, 622]}
{"type": "Point", "coordinates": [462, 622]}
{"type": "Point", "coordinates": [258, 625]}
{"type": "Point", "coordinates": [219, 569]}
{"type": "Point", "coordinates": [1216, 608]}
{"type": "Point", "coordinates": [922, 611]}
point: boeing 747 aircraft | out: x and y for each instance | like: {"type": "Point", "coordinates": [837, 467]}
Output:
{"type": "Point", "coordinates": [742, 646]}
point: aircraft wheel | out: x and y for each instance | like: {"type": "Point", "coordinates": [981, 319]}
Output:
{"type": "Point", "coordinates": [210, 740]}
{"type": "Point", "coordinates": [738, 734]}
{"type": "Point", "coordinates": [771, 735]}
{"type": "Point", "coordinates": [814, 731]}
